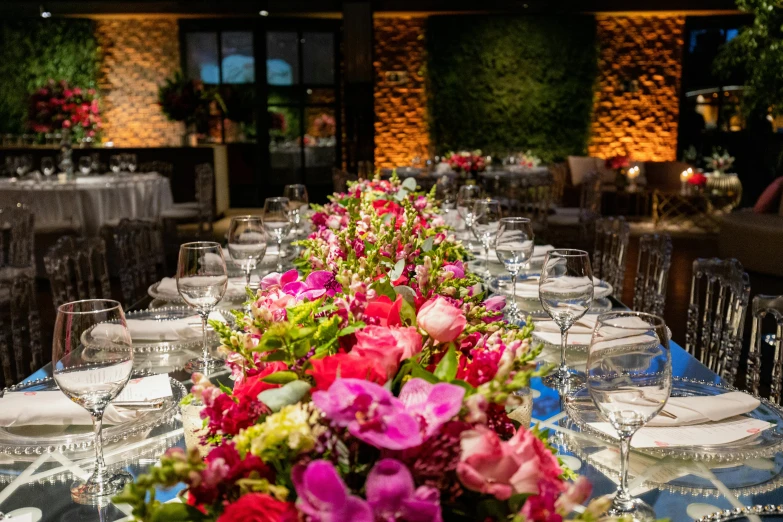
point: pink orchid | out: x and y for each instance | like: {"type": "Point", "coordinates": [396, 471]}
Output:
{"type": "Point", "coordinates": [317, 284]}
{"type": "Point", "coordinates": [323, 496]}
{"type": "Point", "coordinates": [392, 497]}
{"type": "Point", "coordinates": [456, 268]}
{"type": "Point", "coordinates": [433, 404]}
{"type": "Point", "coordinates": [279, 280]}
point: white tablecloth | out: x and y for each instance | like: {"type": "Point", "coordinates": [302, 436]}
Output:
{"type": "Point", "coordinates": [90, 202]}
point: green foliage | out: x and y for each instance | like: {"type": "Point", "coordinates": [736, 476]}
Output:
{"type": "Point", "coordinates": [757, 52]}
{"type": "Point", "coordinates": [504, 84]}
{"type": "Point", "coordinates": [34, 50]}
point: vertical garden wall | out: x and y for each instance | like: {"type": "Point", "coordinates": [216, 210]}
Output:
{"type": "Point", "coordinates": [508, 84]}
{"type": "Point", "coordinates": [34, 50]}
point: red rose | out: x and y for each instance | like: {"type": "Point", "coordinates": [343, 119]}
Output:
{"type": "Point", "coordinates": [325, 370]}
{"type": "Point", "coordinates": [259, 507]}
{"type": "Point", "coordinates": [386, 312]}
{"type": "Point", "coordinates": [698, 179]}
{"type": "Point", "coordinates": [253, 385]}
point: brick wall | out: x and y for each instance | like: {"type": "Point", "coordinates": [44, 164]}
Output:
{"type": "Point", "coordinates": [637, 97]}
{"type": "Point", "coordinates": [400, 109]}
{"type": "Point", "coordinates": [137, 55]}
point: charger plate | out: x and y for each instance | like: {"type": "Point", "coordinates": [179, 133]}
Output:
{"type": "Point", "coordinates": [769, 513]}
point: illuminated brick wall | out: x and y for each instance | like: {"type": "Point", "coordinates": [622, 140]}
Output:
{"type": "Point", "coordinates": [400, 108]}
{"type": "Point", "coordinates": [637, 96]}
{"type": "Point", "coordinates": [137, 55]}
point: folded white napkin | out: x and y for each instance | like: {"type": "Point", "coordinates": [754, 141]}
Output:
{"type": "Point", "coordinates": [167, 287]}
{"type": "Point", "coordinates": [698, 410]}
{"type": "Point", "coordinates": [629, 331]}
{"type": "Point", "coordinates": [585, 325]}
{"type": "Point", "coordinates": [152, 330]}
{"type": "Point", "coordinates": [540, 251]}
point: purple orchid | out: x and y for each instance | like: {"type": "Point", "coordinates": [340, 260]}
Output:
{"type": "Point", "coordinates": [432, 404]}
{"type": "Point", "coordinates": [391, 494]}
{"type": "Point", "coordinates": [276, 279]}
{"type": "Point", "coordinates": [456, 268]}
{"type": "Point", "coordinates": [323, 496]}
{"type": "Point", "coordinates": [371, 414]}
{"type": "Point", "coordinates": [317, 284]}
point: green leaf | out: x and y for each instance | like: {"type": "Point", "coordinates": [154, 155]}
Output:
{"type": "Point", "coordinates": [407, 293]}
{"type": "Point", "coordinates": [401, 194]}
{"type": "Point", "coordinates": [301, 333]}
{"type": "Point", "coordinates": [408, 313]}
{"type": "Point", "coordinates": [427, 245]}
{"type": "Point", "coordinates": [384, 287]}
{"type": "Point", "coordinates": [399, 266]}
{"type": "Point", "coordinates": [409, 184]}
{"type": "Point", "coordinates": [269, 341]}
{"type": "Point", "coordinates": [517, 501]}
{"type": "Point", "coordinates": [351, 328]}
{"type": "Point", "coordinates": [224, 388]}
{"type": "Point", "coordinates": [418, 371]}
{"type": "Point", "coordinates": [177, 512]}
{"type": "Point", "coordinates": [291, 393]}
{"type": "Point", "coordinates": [447, 367]}
{"type": "Point", "coordinates": [283, 377]}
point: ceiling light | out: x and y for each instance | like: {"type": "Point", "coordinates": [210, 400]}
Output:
{"type": "Point", "coordinates": [263, 12]}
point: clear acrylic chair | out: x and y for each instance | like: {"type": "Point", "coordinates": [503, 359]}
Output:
{"type": "Point", "coordinates": [17, 240]}
{"type": "Point", "coordinates": [611, 249]}
{"type": "Point", "coordinates": [720, 291]}
{"type": "Point", "coordinates": [20, 328]}
{"type": "Point", "coordinates": [200, 211]}
{"type": "Point", "coordinates": [559, 172]}
{"type": "Point", "coordinates": [77, 269]}
{"type": "Point", "coordinates": [567, 221]}
{"type": "Point", "coordinates": [763, 306]}
{"type": "Point", "coordinates": [652, 273]}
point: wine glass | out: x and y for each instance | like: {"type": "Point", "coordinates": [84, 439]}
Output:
{"type": "Point", "coordinates": [115, 164]}
{"type": "Point", "coordinates": [514, 248]}
{"type": "Point", "coordinates": [486, 218]}
{"type": "Point", "coordinates": [92, 360]}
{"type": "Point", "coordinates": [565, 289]}
{"type": "Point", "coordinates": [445, 193]}
{"type": "Point", "coordinates": [297, 199]}
{"type": "Point", "coordinates": [277, 221]}
{"type": "Point", "coordinates": [466, 197]}
{"type": "Point", "coordinates": [629, 378]}
{"type": "Point", "coordinates": [85, 165]}
{"type": "Point", "coordinates": [131, 162]}
{"type": "Point", "coordinates": [47, 166]}
{"type": "Point", "coordinates": [201, 281]}
{"type": "Point", "coordinates": [23, 164]}
{"type": "Point", "coordinates": [247, 242]}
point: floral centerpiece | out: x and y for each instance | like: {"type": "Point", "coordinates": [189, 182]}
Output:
{"type": "Point", "coordinates": [618, 162]}
{"type": "Point", "coordinates": [719, 162]}
{"type": "Point", "coordinates": [371, 384]}
{"type": "Point", "coordinates": [528, 160]}
{"type": "Point", "coordinates": [188, 101]}
{"type": "Point", "coordinates": [466, 162]}
{"type": "Point", "coordinates": [58, 106]}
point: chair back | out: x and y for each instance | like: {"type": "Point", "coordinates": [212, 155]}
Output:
{"type": "Point", "coordinates": [77, 269]}
{"type": "Point", "coordinates": [532, 199]}
{"type": "Point", "coordinates": [340, 179]}
{"type": "Point", "coordinates": [652, 273]}
{"type": "Point", "coordinates": [764, 305]}
{"type": "Point", "coordinates": [590, 199]}
{"type": "Point", "coordinates": [17, 236]}
{"type": "Point", "coordinates": [137, 246]}
{"type": "Point", "coordinates": [611, 249]}
{"type": "Point", "coordinates": [559, 172]}
{"type": "Point", "coordinates": [205, 196]}
{"type": "Point", "coordinates": [720, 291]}
{"type": "Point", "coordinates": [20, 329]}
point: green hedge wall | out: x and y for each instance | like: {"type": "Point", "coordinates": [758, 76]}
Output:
{"type": "Point", "coordinates": [34, 50]}
{"type": "Point", "coordinates": [504, 84]}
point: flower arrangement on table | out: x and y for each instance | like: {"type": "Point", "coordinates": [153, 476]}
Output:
{"type": "Point", "coordinates": [372, 384]}
{"type": "Point", "coordinates": [528, 160]}
{"type": "Point", "coordinates": [697, 179]}
{"type": "Point", "coordinates": [466, 162]}
{"type": "Point", "coordinates": [58, 106]}
{"type": "Point", "coordinates": [187, 101]}
{"type": "Point", "coordinates": [618, 162]}
{"type": "Point", "coordinates": [719, 162]}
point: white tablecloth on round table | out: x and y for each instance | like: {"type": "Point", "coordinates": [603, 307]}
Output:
{"type": "Point", "coordinates": [514, 172]}
{"type": "Point", "coordinates": [90, 202]}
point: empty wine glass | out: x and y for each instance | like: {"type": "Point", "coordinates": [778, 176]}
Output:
{"type": "Point", "coordinates": [466, 197]}
{"type": "Point", "coordinates": [297, 201]}
{"type": "Point", "coordinates": [486, 218]}
{"type": "Point", "coordinates": [92, 360]}
{"type": "Point", "coordinates": [247, 242]}
{"type": "Point", "coordinates": [277, 221]}
{"type": "Point", "coordinates": [566, 292]}
{"type": "Point", "coordinates": [115, 164]}
{"type": "Point", "coordinates": [201, 281]}
{"type": "Point", "coordinates": [131, 162]}
{"type": "Point", "coordinates": [445, 193]}
{"type": "Point", "coordinates": [514, 248]}
{"type": "Point", "coordinates": [85, 165]}
{"type": "Point", "coordinates": [23, 164]}
{"type": "Point", "coordinates": [629, 378]}
{"type": "Point", "coordinates": [47, 166]}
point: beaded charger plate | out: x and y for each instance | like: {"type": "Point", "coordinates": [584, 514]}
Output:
{"type": "Point", "coordinates": [36, 440]}
{"type": "Point", "coordinates": [769, 513]}
{"type": "Point", "coordinates": [766, 443]}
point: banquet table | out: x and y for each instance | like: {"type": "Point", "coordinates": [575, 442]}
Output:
{"type": "Point", "coordinates": [87, 203]}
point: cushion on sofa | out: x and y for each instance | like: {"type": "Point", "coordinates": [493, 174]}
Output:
{"type": "Point", "coordinates": [769, 201]}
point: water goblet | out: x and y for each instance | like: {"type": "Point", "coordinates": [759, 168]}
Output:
{"type": "Point", "coordinates": [201, 281]}
{"type": "Point", "coordinates": [247, 242]}
{"type": "Point", "coordinates": [514, 248]}
{"type": "Point", "coordinates": [297, 200]}
{"type": "Point", "coordinates": [277, 221]}
{"type": "Point", "coordinates": [565, 289]}
{"type": "Point", "coordinates": [629, 378]}
{"type": "Point", "coordinates": [445, 193]}
{"type": "Point", "coordinates": [131, 162]}
{"type": "Point", "coordinates": [85, 165]}
{"type": "Point", "coordinates": [466, 197]}
{"type": "Point", "coordinates": [47, 166]}
{"type": "Point", "coordinates": [486, 217]}
{"type": "Point", "coordinates": [115, 164]}
{"type": "Point", "coordinates": [23, 164]}
{"type": "Point", "coordinates": [92, 360]}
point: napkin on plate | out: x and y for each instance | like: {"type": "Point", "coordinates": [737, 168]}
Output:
{"type": "Point", "coordinates": [151, 330]}
{"type": "Point", "coordinates": [167, 287]}
{"type": "Point", "coordinates": [584, 325]}
{"type": "Point", "coordinates": [698, 410]}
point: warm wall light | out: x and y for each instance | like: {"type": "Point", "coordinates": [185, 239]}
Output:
{"type": "Point", "coordinates": [263, 12]}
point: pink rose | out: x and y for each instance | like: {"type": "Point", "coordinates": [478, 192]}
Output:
{"type": "Point", "coordinates": [387, 346]}
{"type": "Point", "coordinates": [441, 320]}
{"type": "Point", "coordinates": [521, 465]}
{"type": "Point", "coordinates": [409, 339]}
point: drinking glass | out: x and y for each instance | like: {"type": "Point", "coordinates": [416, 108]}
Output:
{"type": "Point", "coordinates": [486, 218]}
{"type": "Point", "coordinates": [131, 162]}
{"type": "Point", "coordinates": [92, 360]}
{"type": "Point", "coordinates": [201, 281]}
{"type": "Point", "coordinates": [565, 289]}
{"type": "Point", "coordinates": [23, 164]}
{"type": "Point", "coordinates": [466, 197]}
{"type": "Point", "coordinates": [47, 166]}
{"type": "Point", "coordinates": [277, 221]}
{"type": "Point", "coordinates": [629, 378]}
{"type": "Point", "coordinates": [297, 199]}
{"type": "Point", "coordinates": [514, 248]}
{"type": "Point", "coordinates": [247, 242]}
{"type": "Point", "coordinates": [445, 193]}
{"type": "Point", "coordinates": [85, 165]}
{"type": "Point", "coordinates": [96, 162]}
{"type": "Point", "coordinates": [115, 164]}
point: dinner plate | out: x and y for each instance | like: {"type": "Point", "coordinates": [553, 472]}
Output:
{"type": "Point", "coordinates": [528, 290]}
{"type": "Point", "coordinates": [766, 443]}
{"type": "Point", "coordinates": [36, 440]}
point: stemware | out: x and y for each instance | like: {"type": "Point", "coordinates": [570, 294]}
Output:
{"type": "Point", "coordinates": [85, 165]}
{"type": "Point", "coordinates": [247, 242]}
{"type": "Point", "coordinates": [23, 164]}
{"type": "Point", "coordinates": [514, 248]}
{"type": "Point", "coordinates": [277, 221]}
{"type": "Point", "coordinates": [466, 198]}
{"type": "Point", "coordinates": [565, 289]}
{"type": "Point", "coordinates": [297, 200]}
{"type": "Point", "coordinates": [47, 166]}
{"type": "Point", "coordinates": [115, 164]}
{"type": "Point", "coordinates": [131, 162]}
{"type": "Point", "coordinates": [629, 378]}
{"type": "Point", "coordinates": [201, 281]}
{"type": "Point", "coordinates": [92, 360]}
{"type": "Point", "coordinates": [445, 193]}
{"type": "Point", "coordinates": [486, 218]}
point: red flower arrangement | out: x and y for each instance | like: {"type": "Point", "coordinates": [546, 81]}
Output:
{"type": "Point", "coordinates": [618, 162]}
{"type": "Point", "coordinates": [187, 100]}
{"type": "Point", "coordinates": [324, 126]}
{"type": "Point", "coordinates": [277, 122]}
{"type": "Point", "coordinates": [697, 179]}
{"type": "Point", "coordinates": [466, 161]}
{"type": "Point", "coordinates": [57, 106]}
